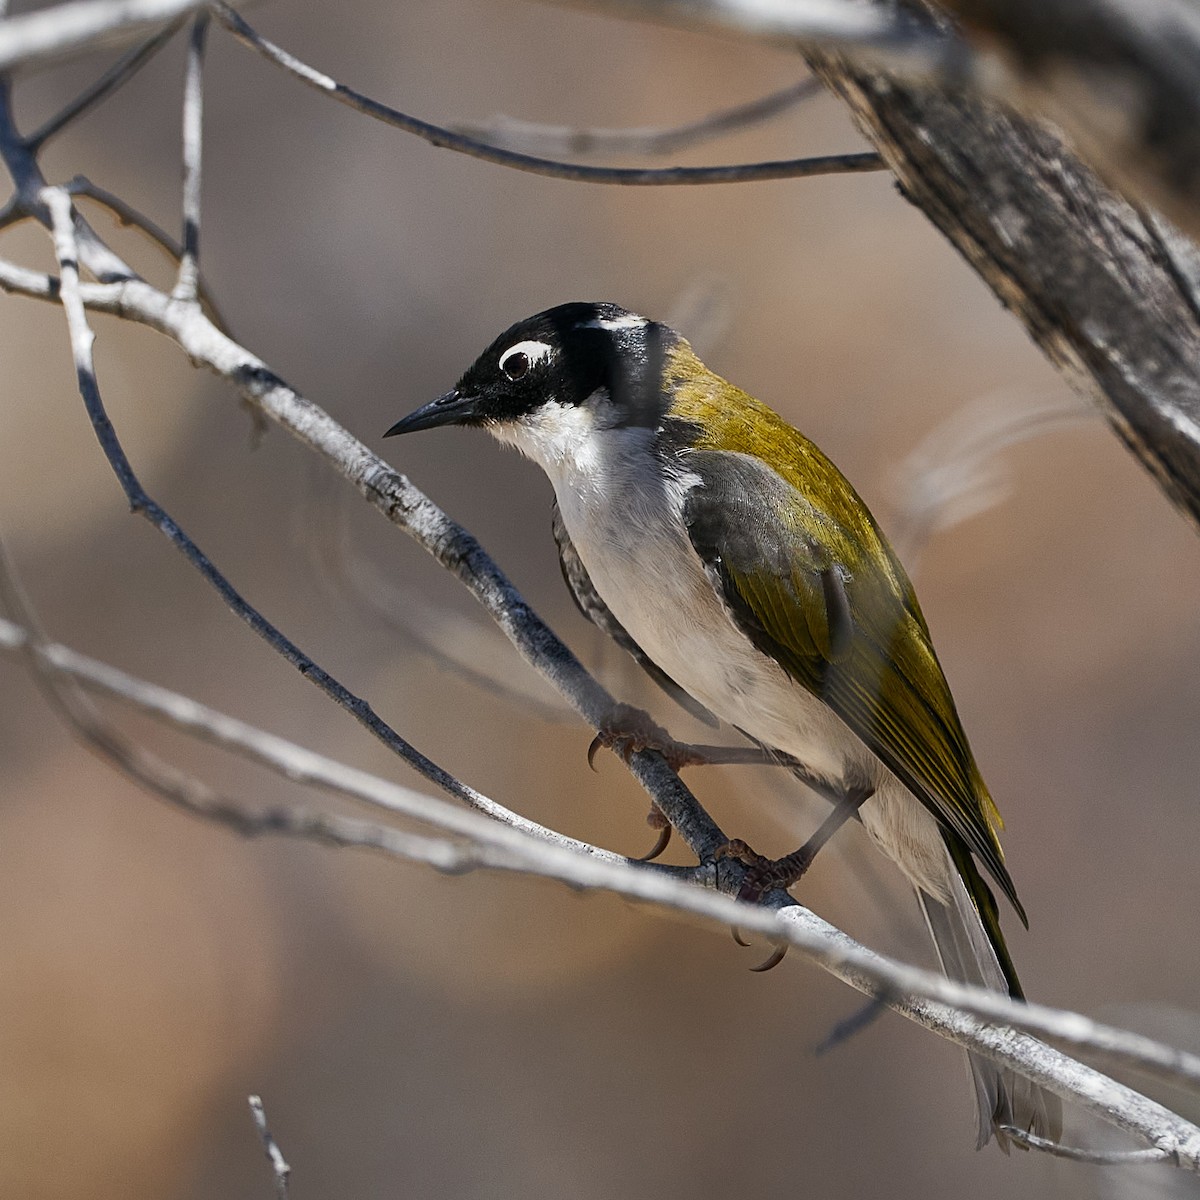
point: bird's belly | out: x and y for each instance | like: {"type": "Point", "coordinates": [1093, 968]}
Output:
{"type": "Point", "coordinates": [661, 594]}
{"type": "Point", "coordinates": [656, 586]}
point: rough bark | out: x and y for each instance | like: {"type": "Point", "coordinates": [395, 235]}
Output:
{"type": "Point", "coordinates": [1108, 292]}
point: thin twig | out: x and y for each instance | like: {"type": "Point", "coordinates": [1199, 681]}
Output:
{"type": "Point", "coordinates": [437, 135]}
{"type": "Point", "coordinates": [64, 29]}
{"type": "Point", "coordinates": [115, 77]}
{"type": "Point", "coordinates": [463, 645]}
{"type": "Point", "coordinates": [530, 137]}
{"type": "Point", "coordinates": [279, 1167]}
{"type": "Point", "coordinates": [193, 143]}
{"type": "Point", "coordinates": [1101, 1158]}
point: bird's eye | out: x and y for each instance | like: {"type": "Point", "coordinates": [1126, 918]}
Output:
{"type": "Point", "coordinates": [517, 361]}
{"type": "Point", "coordinates": [515, 365]}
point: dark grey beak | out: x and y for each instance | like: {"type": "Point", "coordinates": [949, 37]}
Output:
{"type": "Point", "coordinates": [450, 409]}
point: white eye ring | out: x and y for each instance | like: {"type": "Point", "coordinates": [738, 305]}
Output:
{"type": "Point", "coordinates": [516, 361]}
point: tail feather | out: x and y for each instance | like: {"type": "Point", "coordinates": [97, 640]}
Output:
{"type": "Point", "coordinates": [971, 949]}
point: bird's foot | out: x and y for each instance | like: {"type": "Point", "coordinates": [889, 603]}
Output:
{"type": "Point", "coordinates": [765, 874]}
{"type": "Point", "coordinates": [628, 730]}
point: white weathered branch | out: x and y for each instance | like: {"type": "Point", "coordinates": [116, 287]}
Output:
{"type": "Point", "coordinates": [956, 1011]}
{"type": "Point", "coordinates": [64, 29]}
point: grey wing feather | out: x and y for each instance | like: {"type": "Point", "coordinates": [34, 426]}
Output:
{"type": "Point", "coordinates": [588, 601]}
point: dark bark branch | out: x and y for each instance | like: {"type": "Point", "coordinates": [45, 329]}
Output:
{"type": "Point", "coordinates": [1121, 77]}
{"type": "Point", "coordinates": [1093, 280]}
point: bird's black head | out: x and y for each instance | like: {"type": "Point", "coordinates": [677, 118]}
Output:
{"type": "Point", "coordinates": [567, 356]}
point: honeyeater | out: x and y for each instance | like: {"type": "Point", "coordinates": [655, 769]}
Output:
{"type": "Point", "coordinates": [722, 548]}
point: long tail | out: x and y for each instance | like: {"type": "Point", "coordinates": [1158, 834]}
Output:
{"type": "Point", "coordinates": [971, 948]}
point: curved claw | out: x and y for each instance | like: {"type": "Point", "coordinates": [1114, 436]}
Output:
{"type": "Point", "coordinates": [771, 963]}
{"type": "Point", "coordinates": [737, 937]}
{"type": "Point", "coordinates": [597, 743]}
{"type": "Point", "coordinates": [664, 839]}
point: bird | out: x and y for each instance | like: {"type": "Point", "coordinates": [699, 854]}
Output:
{"type": "Point", "coordinates": [721, 548]}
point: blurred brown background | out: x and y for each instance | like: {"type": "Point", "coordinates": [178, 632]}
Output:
{"type": "Point", "coordinates": [491, 1037]}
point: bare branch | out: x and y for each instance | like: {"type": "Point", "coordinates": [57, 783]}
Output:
{"type": "Point", "coordinates": [531, 137]}
{"type": "Point", "coordinates": [115, 77]}
{"type": "Point", "coordinates": [493, 846]}
{"type": "Point", "coordinates": [65, 29]}
{"type": "Point", "coordinates": [279, 1167]}
{"type": "Point", "coordinates": [436, 135]}
{"type": "Point", "coordinates": [193, 142]}
{"type": "Point", "coordinates": [488, 844]}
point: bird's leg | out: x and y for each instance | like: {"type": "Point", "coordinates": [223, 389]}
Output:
{"type": "Point", "coordinates": [765, 874]}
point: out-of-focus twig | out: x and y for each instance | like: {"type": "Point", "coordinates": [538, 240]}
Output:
{"type": "Point", "coordinates": [955, 472]}
{"type": "Point", "coordinates": [874, 36]}
{"type": "Point", "coordinates": [279, 1166]}
{"type": "Point", "coordinates": [63, 693]}
{"type": "Point", "coordinates": [115, 77]}
{"type": "Point", "coordinates": [63, 29]}
{"type": "Point", "coordinates": [469, 648]}
{"type": "Point", "coordinates": [1100, 1158]}
{"type": "Point", "coordinates": [187, 284]}
{"type": "Point", "coordinates": [533, 137]}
